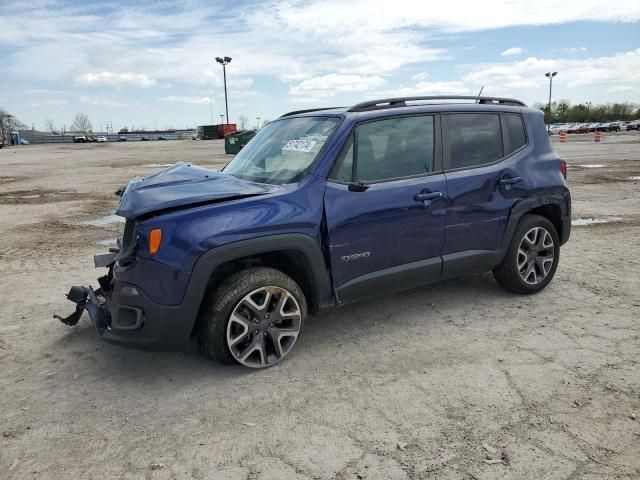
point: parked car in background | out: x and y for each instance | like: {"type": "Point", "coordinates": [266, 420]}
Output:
{"type": "Point", "coordinates": [614, 126]}
{"type": "Point", "coordinates": [102, 139]}
{"type": "Point", "coordinates": [632, 125]}
{"type": "Point", "coordinates": [592, 127]}
{"type": "Point", "coordinates": [324, 207]}
{"type": "Point", "coordinates": [557, 128]}
{"type": "Point", "coordinates": [80, 139]}
{"type": "Point", "coordinates": [122, 139]}
{"type": "Point", "coordinates": [603, 127]}
{"type": "Point", "coordinates": [161, 138]}
{"type": "Point", "coordinates": [578, 128]}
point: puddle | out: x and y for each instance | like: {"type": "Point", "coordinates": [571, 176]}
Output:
{"type": "Point", "coordinates": [578, 222]}
{"type": "Point", "coordinates": [31, 196]}
{"type": "Point", "coordinates": [592, 165]}
{"type": "Point", "coordinates": [102, 221]}
{"type": "Point", "coordinates": [156, 165]}
{"type": "Point", "coordinates": [634, 178]}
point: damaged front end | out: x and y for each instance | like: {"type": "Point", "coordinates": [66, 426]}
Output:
{"type": "Point", "coordinates": [97, 302]}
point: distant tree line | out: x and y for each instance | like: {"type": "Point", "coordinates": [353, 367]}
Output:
{"type": "Point", "coordinates": [563, 112]}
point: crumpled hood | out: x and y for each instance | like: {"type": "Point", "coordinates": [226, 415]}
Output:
{"type": "Point", "coordinates": [181, 185]}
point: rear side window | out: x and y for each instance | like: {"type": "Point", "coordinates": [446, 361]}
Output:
{"type": "Point", "coordinates": [515, 131]}
{"type": "Point", "coordinates": [394, 148]}
{"type": "Point", "coordinates": [473, 139]}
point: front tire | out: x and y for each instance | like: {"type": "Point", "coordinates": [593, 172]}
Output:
{"type": "Point", "coordinates": [532, 257]}
{"type": "Point", "coordinates": [253, 318]}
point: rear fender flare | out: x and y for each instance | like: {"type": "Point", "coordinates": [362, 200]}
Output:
{"type": "Point", "coordinates": [525, 206]}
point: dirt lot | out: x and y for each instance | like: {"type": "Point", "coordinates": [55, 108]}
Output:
{"type": "Point", "coordinates": [409, 386]}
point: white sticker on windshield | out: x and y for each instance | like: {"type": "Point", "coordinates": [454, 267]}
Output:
{"type": "Point", "coordinates": [299, 145]}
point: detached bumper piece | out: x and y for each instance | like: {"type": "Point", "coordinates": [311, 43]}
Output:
{"type": "Point", "coordinates": [87, 299]}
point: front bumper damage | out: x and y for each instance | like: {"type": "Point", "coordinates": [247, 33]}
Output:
{"type": "Point", "coordinates": [85, 298]}
{"type": "Point", "coordinates": [124, 313]}
{"type": "Point", "coordinates": [98, 303]}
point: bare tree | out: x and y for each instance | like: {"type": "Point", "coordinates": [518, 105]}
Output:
{"type": "Point", "coordinates": [8, 123]}
{"type": "Point", "coordinates": [49, 125]}
{"type": "Point", "coordinates": [243, 120]}
{"type": "Point", "coordinates": [81, 123]}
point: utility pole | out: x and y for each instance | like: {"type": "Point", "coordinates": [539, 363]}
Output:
{"type": "Point", "coordinates": [211, 108]}
{"type": "Point", "coordinates": [550, 76]}
{"type": "Point", "coordinates": [258, 123]}
{"type": "Point", "coordinates": [224, 61]}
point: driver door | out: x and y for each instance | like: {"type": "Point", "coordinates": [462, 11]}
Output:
{"type": "Point", "coordinates": [385, 207]}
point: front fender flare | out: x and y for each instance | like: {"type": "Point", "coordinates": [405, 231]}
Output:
{"type": "Point", "coordinates": [315, 268]}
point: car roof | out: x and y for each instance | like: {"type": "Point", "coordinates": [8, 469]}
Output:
{"type": "Point", "coordinates": [408, 105]}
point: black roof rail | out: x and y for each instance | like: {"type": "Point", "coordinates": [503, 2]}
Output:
{"type": "Point", "coordinates": [296, 112]}
{"type": "Point", "coordinates": [402, 101]}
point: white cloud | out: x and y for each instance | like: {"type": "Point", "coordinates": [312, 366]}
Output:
{"type": "Point", "coordinates": [116, 79]}
{"type": "Point", "coordinates": [420, 77]}
{"type": "Point", "coordinates": [185, 99]}
{"type": "Point", "coordinates": [512, 51]}
{"type": "Point", "coordinates": [432, 88]}
{"type": "Point", "coordinates": [622, 89]}
{"type": "Point", "coordinates": [52, 102]}
{"type": "Point", "coordinates": [329, 85]}
{"type": "Point", "coordinates": [619, 69]}
{"type": "Point", "coordinates": [101, 102]}
{"type": "Point", "coordinates": [575, 49]}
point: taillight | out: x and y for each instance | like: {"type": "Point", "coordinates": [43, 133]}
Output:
{"type": "Point", "coordinates": [563, 168]}
{"type": "Point", "coordinates": [155, 237]}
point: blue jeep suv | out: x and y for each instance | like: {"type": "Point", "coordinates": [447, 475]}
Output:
{"type": "Point", "coordinates": [324, 207]}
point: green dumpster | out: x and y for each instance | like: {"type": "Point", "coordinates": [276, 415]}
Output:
{"type": "Point", "coordinates": [233, 143]}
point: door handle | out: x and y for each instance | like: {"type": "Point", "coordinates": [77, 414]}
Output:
{"type": "Point", "coordinates": [427, 198]}
{"type": "Point", "coordinates": [509, 180]}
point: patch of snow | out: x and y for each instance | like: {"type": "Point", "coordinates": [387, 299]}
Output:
{"type": "Point", "coordinates": [156, 165]}
{"type": "Point", "coordinates": [578, 222]}
{"type": "Point", "coordinates": [592, 165]}
{"type": "Point", "coordinates": [634, 178]}
{"type": "Point", "coordinates": [111, 242]}
{"type": "Point", "coordinates": [102, 221]}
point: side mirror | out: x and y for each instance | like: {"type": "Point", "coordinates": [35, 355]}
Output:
{"type": "Point", "coordinates": [358, 186]}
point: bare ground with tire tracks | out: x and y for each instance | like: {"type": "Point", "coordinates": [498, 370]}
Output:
{"type": "Point", "coordinates": [406, 386]}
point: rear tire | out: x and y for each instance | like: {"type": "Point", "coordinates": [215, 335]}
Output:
{"type": "Point", "coordinates": [258, 310]}
{"type": "Point", "coordinates": [532, 257]}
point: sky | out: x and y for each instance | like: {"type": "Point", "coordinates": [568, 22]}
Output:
{"type": "Point", "coordinates": [151, 64]}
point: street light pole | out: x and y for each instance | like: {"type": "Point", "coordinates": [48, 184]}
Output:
{"type": "Point", "coordinates": [258, 124]}
{"type": "Point", "coordinates": [550, 76]}
{"type": "Point", "coordinates": [588, 108]}
{"type": "Point", "coordinates": [224, 61]}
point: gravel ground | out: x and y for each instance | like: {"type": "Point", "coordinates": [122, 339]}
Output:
{"type": "Point", "coordinates": [429, 383]}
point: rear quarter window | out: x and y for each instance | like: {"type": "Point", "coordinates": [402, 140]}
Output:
{"type": "Point", "coordinates": [515, 131]}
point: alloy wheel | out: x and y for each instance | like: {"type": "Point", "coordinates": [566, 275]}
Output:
{"type": "Point", "coordinates": [263, 326]}
{"type": "Point", "coordinates": [536, 255]}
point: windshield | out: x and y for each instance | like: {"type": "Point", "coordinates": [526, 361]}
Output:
{"type": "Point", "coordinates": [282, 150]}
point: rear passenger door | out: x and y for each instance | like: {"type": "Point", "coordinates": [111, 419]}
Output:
{"type": "Point", "coordinates": [483, 163]}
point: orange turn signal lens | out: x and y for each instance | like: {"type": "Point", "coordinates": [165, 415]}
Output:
{"type": "Point", "coordinates": [155, 236]}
